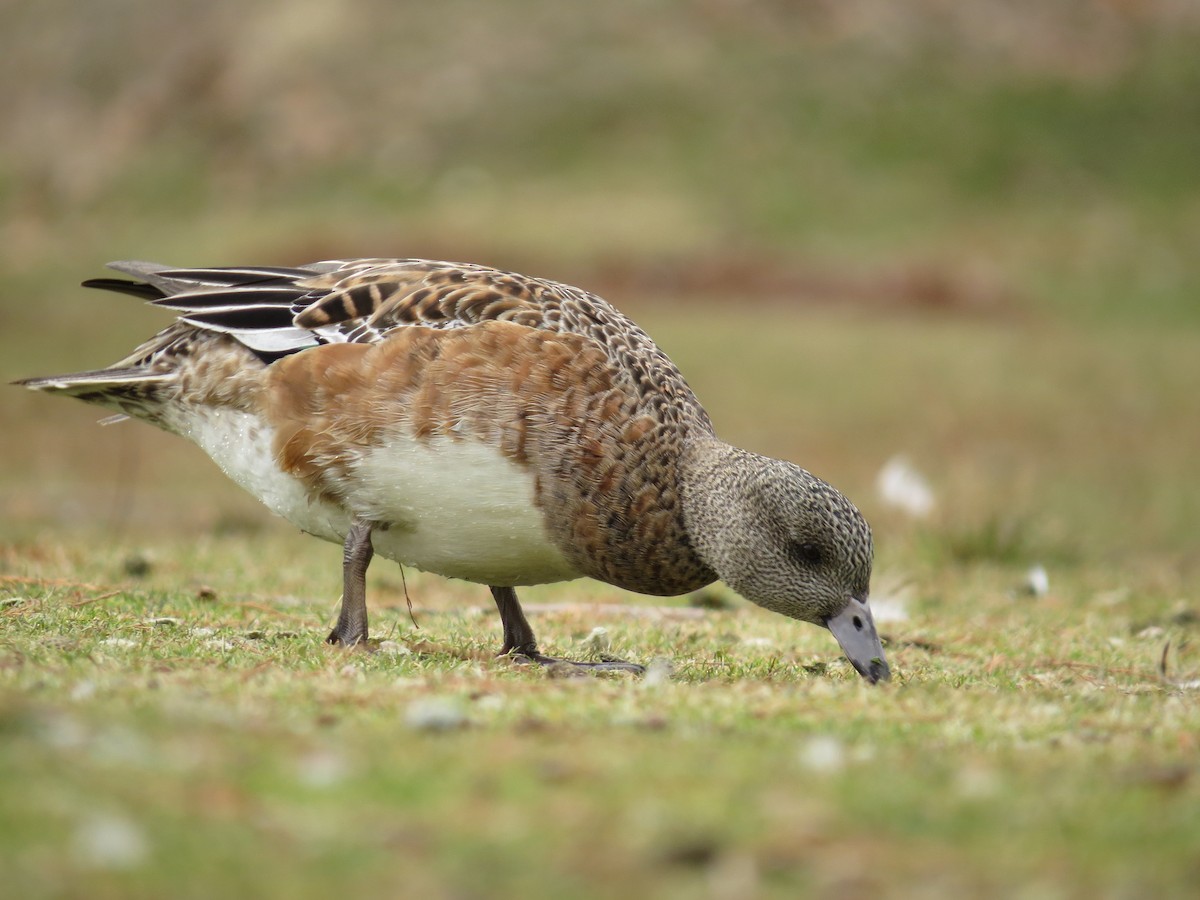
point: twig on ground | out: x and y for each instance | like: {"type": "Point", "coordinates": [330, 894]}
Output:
{"type": "Point", "coordinates": [86, 600]}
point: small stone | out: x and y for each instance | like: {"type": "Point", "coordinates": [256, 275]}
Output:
{"type": "Point", "coordinates": [565, 669]}
{"type": "Point", "coordinates": [434, 714]}
{"type": "Point", "coordinates": [83, 691]}
{"type": "Point", "coordinates": [1037, 581]}
{"type": "Point", "coordinates": [976, 782]}
{"type": "Point", "coordinates": [597, 640]}
{"type": "Point", "coordinates": [824, 754]}
{"type": "Point", "coordinates": [322, 769]}
{"type": "Point", "coordinates": [658, 672]}
{"type": "Point", "coordinates": [394, 648]}
{"type": "Point", "coordinates": [137, 565]}
{"type": "Point", "coordinates": [108, 841]}
{"type": "Point", "coordinates": [491, 702]}
{"type": "Point", "coordinates": [761, 642]}
{"type": "Point", "coordinates": [901, 486]}
{"type": "Point", "coordinates": [890, 598]}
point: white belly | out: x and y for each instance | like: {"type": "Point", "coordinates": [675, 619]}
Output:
{"type": "Point", "coordinates": [455, 507]}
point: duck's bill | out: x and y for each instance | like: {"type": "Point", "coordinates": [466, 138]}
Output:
{"type": "Point", "coordinates": [854, 629]}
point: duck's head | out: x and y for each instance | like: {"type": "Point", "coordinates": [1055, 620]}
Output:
{"type": "Point", "coordinates": [789, 542]}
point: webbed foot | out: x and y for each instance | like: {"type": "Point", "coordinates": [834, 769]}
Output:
{"type": "Point", "coordinates": [533, 657]}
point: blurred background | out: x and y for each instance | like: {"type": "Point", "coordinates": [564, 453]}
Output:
{"type": "Point", "coordinates": [966, 234]}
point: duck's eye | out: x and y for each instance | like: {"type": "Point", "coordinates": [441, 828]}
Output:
{"type": "Point", "coordinates": [808, 554]}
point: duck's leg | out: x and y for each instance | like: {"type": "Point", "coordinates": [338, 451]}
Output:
{"type": "Point", "coordinates": [351, 625]}
{"type": "Point", "coordinates": [518, 636]}
{"type": "Point", "coordinates": [519, 640]}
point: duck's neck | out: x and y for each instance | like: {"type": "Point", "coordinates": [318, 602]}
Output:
{"type": "Point", "coordinates": [716, 482]}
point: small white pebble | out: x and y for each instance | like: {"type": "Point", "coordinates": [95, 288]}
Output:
{"type": "Point", "coordinates": [118, 643]}
{"type": "Point", "coordinates": [901, 486]}
{"type": "Point", "coordinates": [83, 691]}
{"type": "Point", "coordinates": [203, 631]}
{"type": "Point", "coordinates": [597, 640]}
{"type": "Point", "coordinates": [109, 841]}
{"type": "Point", "coordinates": [434, 714]}
{"type": "Point", "coordinates": [394, 648]}
{"type": "Point", "coordinates": [1151, 631]}
{"type": "Point", "coordinates": [823, 753]}
{"type": "Point", "coordinates": [491, 702]}
{"type": "Point", "coordinates": [976, 782]}
{"type": "Point", "coordinates": [763, 642]}
{"type": "Point", "coordinates": [1037, 581]}
{"type": "Point", "coordinates": [890, 599]}
{"type": "Point", "coordinates": [658, 672]}
{"type": "Point", "coordinates": [885, 609]}
{"type": "Point", "coordinates": [322, 769]}
{"type": "Point", "coordinates": [218, 644]}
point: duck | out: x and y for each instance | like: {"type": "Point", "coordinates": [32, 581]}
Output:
{"type": "Point", "coordinates": [482, 425]}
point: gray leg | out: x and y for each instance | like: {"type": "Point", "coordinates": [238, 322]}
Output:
{"type": "Point", "coordinates": [351, 625]}
{"type": "Point", "coordinates": [519, 640]}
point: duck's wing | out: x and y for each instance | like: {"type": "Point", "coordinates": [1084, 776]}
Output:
{"type": "Point", "coordinates": [277, 311]}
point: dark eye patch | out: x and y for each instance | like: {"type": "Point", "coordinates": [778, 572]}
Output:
{"type": "Point", "coordinates": [808, 554]}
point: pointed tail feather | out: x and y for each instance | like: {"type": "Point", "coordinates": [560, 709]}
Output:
{"type": "Point", "coordinates": [121, 286]}
{"type": "Point", "coordinates": [98, 381]}
{"type": "Point", "coordinates": [129, 391]}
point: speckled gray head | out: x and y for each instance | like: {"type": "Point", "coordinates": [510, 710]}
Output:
{"type": "Point", "coordinates": [789, 542]}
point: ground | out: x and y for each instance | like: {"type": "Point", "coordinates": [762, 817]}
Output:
{"type": "Point", "coordinates": [964, 238]}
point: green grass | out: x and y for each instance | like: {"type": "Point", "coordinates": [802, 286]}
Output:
{"type": "Point", "coordinates": [966, 235]}
{"type": "Point", "coordinates": [1027, 744]}
{"type": "Point", "coordinates": [1024, 746]}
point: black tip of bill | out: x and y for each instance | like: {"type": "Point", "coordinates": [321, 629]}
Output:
{"type": "Point", "coordinates": [854, 629]}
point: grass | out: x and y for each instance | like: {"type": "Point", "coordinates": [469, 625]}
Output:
{"type": "Point", "coordinates": [1025, 746]}
{"type": "Point", "coordinates": [174, 724]}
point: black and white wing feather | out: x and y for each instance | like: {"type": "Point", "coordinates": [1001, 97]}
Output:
{"type": "Point", "coordinates": [275, 311]}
